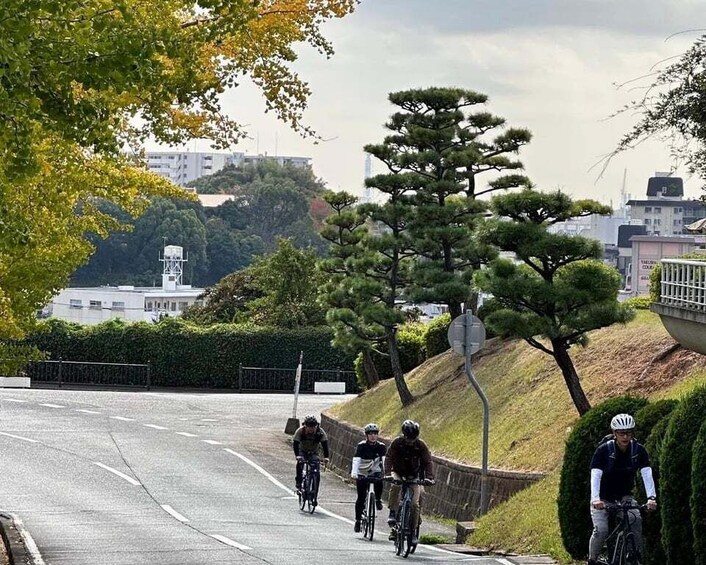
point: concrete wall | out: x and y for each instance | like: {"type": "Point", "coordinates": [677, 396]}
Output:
{"type": "Point", "coordinates": [455, 495]}
{"type": "Point", "coordinates": [686, 326]}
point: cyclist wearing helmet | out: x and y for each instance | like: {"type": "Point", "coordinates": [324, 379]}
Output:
{"type": "Point", "coordinates": [613, 468]}
{"type": "Point", "coordinates": [306, 442]}
{"type": "Point", "coordinates": [367, 463]}
{"type": "Point", "coordinates": [408, 458]}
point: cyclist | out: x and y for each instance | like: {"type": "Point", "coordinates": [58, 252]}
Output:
{"type": "Point", "coordinates": [367, 463]}
{"type": "Point", "coordinates": [613, 468]}
{"type": "Point", "coordinates": [408, 458]}
{"type": "Point", "coordinates": [307, 440]}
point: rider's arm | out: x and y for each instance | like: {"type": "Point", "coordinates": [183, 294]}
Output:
{"type": "Point", "coordinates": [324, 446]}
{"type": "Point", "coordinates": [295, 446]}
{"type": "Point", "coordinates": [649, 482]}
{"type": "Point", "coordinates": [356, 466]}
{"type": "Point", "coordinates": [596, 475]}
{"type": "Point", "coordinates": [426, 462]}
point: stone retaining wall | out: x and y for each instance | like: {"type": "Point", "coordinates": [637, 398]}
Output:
{"type": "Point", "coordinates": [456, 493]}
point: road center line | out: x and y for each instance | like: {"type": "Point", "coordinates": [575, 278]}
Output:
{"type": "Point", "coordinates": [155, 426]}
{"type": "Point", "coordinates": [86, 411]}
{"type": "Point", "coordinates": [211, 442]}
{"type": "Point", "coordinates": [229, 541]}
{"type": "Point", "coordinates": [169, 510]}
{"type": "Point", "coordinates": [122, 418]}
{"type": "Point", "coordinates": [118, 473]}
{"type": "Point", "coordinates": [12, 400]}
{"type": "Point", "coordinates": [185, 434]}
{"type": "Point", "coordinates": [52, 405]}
{"type": "Point", "coordinates": [19, 437]}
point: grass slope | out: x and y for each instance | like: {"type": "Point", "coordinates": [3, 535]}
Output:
{"type": "Point", "coordinates": [531, 413]}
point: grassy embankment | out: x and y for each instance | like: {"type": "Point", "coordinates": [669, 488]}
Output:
{"type": "Point", "coordinates": [531, 414]}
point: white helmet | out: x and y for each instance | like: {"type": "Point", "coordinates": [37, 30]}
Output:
{"type": "Point", "coordinates": [622, 422]}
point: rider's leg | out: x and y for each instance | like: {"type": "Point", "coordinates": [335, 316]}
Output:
{"type": "Point", "coordinates": [393, 503]}
{"type": "Point", "coordinates": [600, 532]}
{"type": "Point", "coordinates": [378, 494]}
{"type": "Point", "coordinates": [300, 467]}
{"type": "Point", "coordinates": [362, 488]}
{"type": "Point", "coordinates": [635, 524]}
{"type": "Point", "coordinates": [416, 494]}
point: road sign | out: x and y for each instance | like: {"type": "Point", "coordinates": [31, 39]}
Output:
{"type": "Point", "coordinates": [458, 337]}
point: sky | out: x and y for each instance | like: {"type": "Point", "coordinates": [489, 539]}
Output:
{"type": "Point", "coordinates": [553, 66]}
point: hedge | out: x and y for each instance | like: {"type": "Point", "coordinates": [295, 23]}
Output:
{"type": "Point", "coordinates": [698, 495]}
{"type": "Point", "coordinates": [647, 417]}
{"type": "Point", "coordinates": [675, 470]}
{"type": "Point", "coordinates": [410, 341]}
{"type": "Point", "coordinates": [575, 483]}
{"type": "Point", "coordinates": [652, 524]}
{"type": "Point", "coordinates": [436, 339]}
{"type": "Point", "coordinates": [181, 354]}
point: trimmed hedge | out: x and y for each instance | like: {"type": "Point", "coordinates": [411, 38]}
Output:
{"type": "Point", "coordinates": [647, 418]}
{"type": "Point", "coordinates": [181, 354]}
{"type": "Point", "coordinates": [575, 484]}
{"type": "Point", "coordinates": [698, 496]}
{"type": "Point", "coordinates": [410, 341]}
{"type": "Point", "coordinates": [436, 339]}
{"type": "Point", "coordinates": [675, 469]}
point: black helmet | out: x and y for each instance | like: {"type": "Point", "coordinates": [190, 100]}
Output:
{"type": "Point", "coordinates": [410, 429]}
{"type": "Point", "coordinates": [371, 429]}
{"type": "Point", "coordinates": [310, 420]}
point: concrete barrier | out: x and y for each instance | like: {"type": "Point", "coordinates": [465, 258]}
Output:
{"type": "Point", "coordinates": [336, 387]}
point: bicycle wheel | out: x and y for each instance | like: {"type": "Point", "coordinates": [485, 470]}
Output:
{"type": "Point", "coordinates": [370, 526]}
{"type": "Point", "coordinates": [631, 556]}
{"type": "Point", "coordinates": [313, 492]}
{"type": "Point", "coordinates": [616, 556]}
{"type": "Point", "coordinates": [405, 532]}
{"type": "Point", "coordinates": [302, 493]}
{"type": "Point", "coordinates": [414, 546]}
{"type": "Point", "coordinates": [401, 537]}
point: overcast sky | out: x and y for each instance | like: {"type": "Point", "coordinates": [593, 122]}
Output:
{"type": "Point", "coordinates": [549, 65]}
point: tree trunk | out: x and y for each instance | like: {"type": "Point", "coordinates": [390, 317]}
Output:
{"type": "Point", "coordinates": [405, 396]}
{"type": "Point", "coordinates": [472, 303]}
{"type": "Point", "coordinates": [454, 309]}
{"type": "Point", "coordinates": [369, 370]}
{"type": "Point", "coordinates": [571, 377]}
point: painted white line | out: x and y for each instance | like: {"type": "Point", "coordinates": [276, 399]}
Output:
{"type": "Point", "coordinates": [12, 400]}
{"type": "Point", "coordinates": [19, 437]}
{"type": "Point", "coordinates": [118, 473]}
{"type": "Point", "coordinates": [208, 420]}
{"type": "Point", "coordinates": [29, 542]}
{"type": "Point", "coordinates": [86, 411]}
{"type": "Point", "coordinates": [229, 542]}
{"type": "Point", "coordinates": [169, 510]}
{"type": "Point", "coordinates": [52, 405]}
{"type": "Point", "coordinates": [503, 561]}
{"type": "Point", "coordinates": [155, 426]}
{"type": "Point", "coordinates": [122, 418]}
{"type": "Point", "coordinates": [185, 434]}
{"type": "Point", "coordinates": [211, 442]}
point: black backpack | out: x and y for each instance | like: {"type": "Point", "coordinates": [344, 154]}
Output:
{"type": "Point", "coordinates": [612, 452]}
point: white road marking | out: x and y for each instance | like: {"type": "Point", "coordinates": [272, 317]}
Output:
{"type": "Point", "coordinates": [86, 411]}
{"type": "Point", "coordinates": [504, 561]}
{"type": "Point", "coordinates": [118, 473]}
{"type": "Point", "coordinates": [155, 426]}
{"type": "Point", "coordinates": [185, 434]}
{"type": "Point", "coordinates": [13, 400]}
{"type": "Point", "coordinates": [19, 437]}
{"type": "Point", "coordinates": [122, 418]}
{"type": "Point", "coordinates": [52, 405]}
{"type": "Point", "coordinates": [28, 541]}
{"type": "Point", "coordinates": [208, 420]}
{"type": "Point", "coordinates": [211, 442]}
{"type": "Point", "coordinates": [169, 510]}
{"type": "Point", "coordinates": [230, 542]}
{"type": "Point", "coordinates": [261, 470]}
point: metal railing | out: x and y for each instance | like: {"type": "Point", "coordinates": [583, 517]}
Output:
{"type": "Point", "coordinates": [683, 284]}
{"type": "Point", "coordinates": [252, 379]}
{"type": "Point", "coordinates": [83, 373]}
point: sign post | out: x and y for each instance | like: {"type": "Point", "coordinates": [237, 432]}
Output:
{"type": "Point", "coordinates": [466, 336]}
{"type": "Point", "coordinates": [293, 422]}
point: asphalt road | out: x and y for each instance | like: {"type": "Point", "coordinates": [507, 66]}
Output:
{"type": "Point", "coordinates": [132, 478]}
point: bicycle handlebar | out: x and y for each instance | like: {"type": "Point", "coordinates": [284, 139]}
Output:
{"type": "Point", "coordinates": [617, 506]}
{"type": "Point", "coordinates": [425, 482]}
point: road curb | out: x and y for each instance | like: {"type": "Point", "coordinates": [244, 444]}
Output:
{"type": "Point", "coordinates": [14, 541]}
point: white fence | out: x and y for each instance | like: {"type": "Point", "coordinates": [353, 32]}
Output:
{"type": "Point", "coordinates": [684, 284]}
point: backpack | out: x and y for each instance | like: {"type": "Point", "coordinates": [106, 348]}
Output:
{"type": "Point", "coordinates": [612, 452]}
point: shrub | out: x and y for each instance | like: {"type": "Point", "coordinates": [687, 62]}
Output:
{"type": "Point", "coordinates": [639, 302]}
{"type": "Point", "coordinates": [410, 341]}
{"type": "Point", "coordinates": [436, 339]}
{"type": "Point", "coordinates": [675, 470]}
{"type": "Point", "coordinates": [656, 283]}
{"type": "Point", "coordinates": [647, 417]}
{"type": "Point", "coordinates": [575, 485]}
{"type": "Point", "coordinates": [489, 306]}
{"type": "Point", "coordinates": [698, 495]}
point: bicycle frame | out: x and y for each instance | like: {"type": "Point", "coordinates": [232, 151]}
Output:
{"type": "Point", "coordinates": [369, 510]}
{"type": "Point", "coordinates": [622, 538]}
{"type": "Point", "coordinates": [311, 476]}
{"type": "Point", "coordinates": [405, 531]}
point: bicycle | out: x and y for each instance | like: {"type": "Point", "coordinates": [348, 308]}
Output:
{"type": "Point", "coordinates": [621, 548]}
{"type": "Point", "coordinates": [311, 477]}
{"type": "Point", "coordinates": [367, 518]}
{"type": "Point", "coordinates": [404, 532]}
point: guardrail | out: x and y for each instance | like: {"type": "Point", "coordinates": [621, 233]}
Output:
{"type": "Point", "coordinates": [683, 284]}
{"type": "Point", "coordinates": [253, 379]}
{"type": "Point", "coordinates": [86, 373]}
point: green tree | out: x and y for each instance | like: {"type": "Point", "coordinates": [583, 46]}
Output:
{"type": "Point", "coordinates": [345, 229]}
{"type": "Point", "coordinates": [228, 250]}
{"type": "Point", "coordinates": [561, 290]}
{"type": "Point", "coordinates": [443, 147]}
{"type": "Point", "coordinates": [225, 302]}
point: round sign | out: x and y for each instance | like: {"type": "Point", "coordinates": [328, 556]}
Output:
{"type": "Point", "coordinates": [466, 334]}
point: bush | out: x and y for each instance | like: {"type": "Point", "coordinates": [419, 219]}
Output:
{"type": "Point", "coordinates": [410, 341]}
{"type": "Point", "coordinates": [675, 470]}
{"type": "Point", "coordinates": [436, 339]}
{"type": "Point", "coordinates": [639, 302]}
{"type": "Point", "coordinates": [647, 417]}
{"type": "Point", "coordinates": [652, 524]}
{"type": "Point", "coordinates": [656, 283]}
{"type": "Point", "coordinates": [182, 354]}
{"type": "Point", "coordinates": [698, 495]}
{"type": "Point", "coordinates": [575, 483]}
{"type": "Point", "coordinates": [489, 306]}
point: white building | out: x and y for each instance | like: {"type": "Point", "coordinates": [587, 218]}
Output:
{"type": "Point", "coordinates": [99, 304]}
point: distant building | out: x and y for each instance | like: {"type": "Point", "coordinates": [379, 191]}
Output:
{"type": "Point", "coordinates": [182, 167]}
{"type": "Point", "coordinates": [647, 251]}
{"type": "Point", "coordinates": [99, 304]}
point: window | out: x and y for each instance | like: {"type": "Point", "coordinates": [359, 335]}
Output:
{"type": "Point", "coordinates": [648, 222]}
{"type": "Point", "coordinates": [648, 209]}
{"type": "Point", "coordinates": [149, 306]}
{"type": "Point", "coordinates": [677, 222]}
{"type": "Point", "coordinates": [658, 210]}
{"type": "Point", "coordinates": [658, 221]}
{"type": "Point", "coordinates": [183, 306]}
{"type": "Point", "coordinates": [95, 304]}
{"type": "Point", "coordinates": [208, 158]}
{"type": "Point", "coordinates": [173, 306]}
{"type": "Point", "coordinates": [118, 305]}
{"type": "Point", "coordinates": [656, 233]}
{"type": "Point", "coordinates": [678, 210]}
{"type": "Point", "coordinates": [73, 303]}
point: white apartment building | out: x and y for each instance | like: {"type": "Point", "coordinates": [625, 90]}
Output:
{"type": "Point", "coordinates": [134, 304]}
